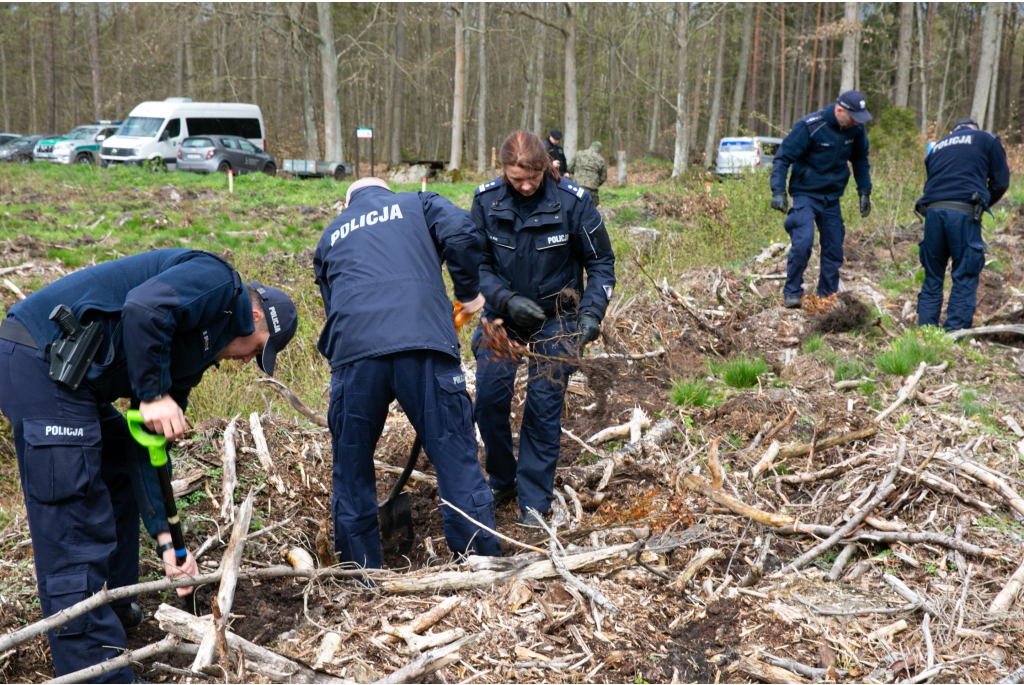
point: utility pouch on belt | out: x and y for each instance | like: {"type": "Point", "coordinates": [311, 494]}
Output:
{"type": "Point", "coordinates": [71, 356]}
{"type": "Point", "coordinates": [979, 207]}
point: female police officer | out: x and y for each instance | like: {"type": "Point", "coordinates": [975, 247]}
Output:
{"type": "Point", "coordinates": [540, 233]}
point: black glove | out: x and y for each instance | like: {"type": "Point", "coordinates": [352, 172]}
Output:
{"type": "Point", "coordinates": [588, 327]}
{"type": "Point", "coordinates": [780, 202]}
{"type": "Point", "coordinates": [524, 312]}
{"type": "Point", "coordinates": [865, 205]}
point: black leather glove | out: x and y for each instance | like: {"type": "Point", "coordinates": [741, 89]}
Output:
{"type": "Point", "coordinates": [780, 202]}
{"type": "Point", "coordinates": [524, 312]}
{"type": "Point", "coordinates": [588, 327]}
{"type": "Point", "coordinates": [865, 205]}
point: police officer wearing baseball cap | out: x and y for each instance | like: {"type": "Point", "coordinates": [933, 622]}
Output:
{"type": "Point", "coordinates": [967, 174]}
{"type": "Point", "coordinates": [820, 149]}
{"type": "Point", "coordinates": [553, 145]}
{"type": "Point", "coordinates": [165, 317]}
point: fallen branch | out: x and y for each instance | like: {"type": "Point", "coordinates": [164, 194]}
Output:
{"type": "Point", "coordinates": [415, 476]}
{"type": "Point", "coordinates": [886, 489]}
{"type": "Point", "coordinates": [297, 404]}
{"type": "Point", "coordinates": [905, 392]}
{"type": "Point", "coordinates": [167, 645]}
{"type": "Point", "coordinates": [986, 330]}
{"type": "Point", "coordinates": [702, 486]}
{"type": "Point", "coordinates": [581, 478]}
{"type": "Point", "coordinates": [988, 478]}
{"type": "Point", "coordinates": [936, 483]}
{"type": "Point", "coordinates": [699, 561]}
{"type": "Point", "coordinates": [427, 620]}
{"type": "Point", "coordinates": [766, 461]}
{"type": "Point", "coordinates": [840, 563]}
{"type": "Point", "coordinates": [263, 452]}
{"type": "Point", "coordinates": [229, 461]}
{"type": "Point", "coordinates": [830, 472]}
{"type": "Point", "coordinates": [816, 674]}
{"type": "Point", "coordinates": [906, 593]}
{"type": "Point", "coordinates": [11, 269]}
{"type": "Point", "coordinates": [595, 595]}
{"type": "Point", "coordinates": [863, 611]}
{"type": "Point", "coordinates": [1006, 597]}
{"type": "Point", "coordinates": [431, 661]}
{"type": "Point", "coordinates": [660, 352]}
{"type": "Point", "coordinates": [799, 450]}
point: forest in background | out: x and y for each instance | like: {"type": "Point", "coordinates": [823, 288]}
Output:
{"type": "Point", "coordinates": [449, 81]}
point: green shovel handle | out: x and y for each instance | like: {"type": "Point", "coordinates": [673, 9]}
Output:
{"type": "Point", "coordinates": [151, 441]}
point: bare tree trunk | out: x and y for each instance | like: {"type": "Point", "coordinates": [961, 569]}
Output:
{"type": "Point", "coordinates": [901, 94]}
{"type": "Point", "coordinates": [814, 60]}
{"type": "Point", "coordinates": [922, 68]}
{"type": "Point", "coordinates": [652, 132]}
{"type": "Point", "coordinates": [851, 21]}
{"type": "Point", "coordinates": [782, 66]}
{"type": "Point", "coordinates": [571, 113]}
{"type": "Point", "coordinates": [716, 97]}
{"type": "Point", "coordinates": [481, 100]}
{"type": "Point", "coordinates": [979, 107]}
{"type": "Point", "coordinates": [538, 81]}
{"type": "Point", "coordinates": [311, 135]}
{"type": "Point", "coordinates": [741, 77]}
{"type": "Point", "coordinates": [990, 120]}
{"type": "Point", "coordinates": [398, 83]}
{"type": "Point", "coordinates": [51, 79]}
{"type": "Point", "coordinates": [254, 52]}
{"type": "Point", "coordinates": [329, 75]}
{"type": "Point", "coordinates": [33, 104]}
{"type": "Point", "coordinates": [940, 114]}
{"type": "Point", "coordinates": [3, 86]}
{"type": "Point", "coordinates": [588, 78]}
{"type": "Point", "coordinates": [215, 50]}
{"type": "Point", "coordinates": [72, 68]}
{"type": "Point", "coordinates": [524, 119]}
{"type": "Point", "coordinates": [830, 68]}
{"type": "Point", "coordinates": [774, 52]}
{"type": "Point", "coordinates": [459, 96]}
{"type": "Point", "coordinates": [179, 62]}
{"type": "Point", "coordinates": [188, 19]}
{"type": "Point", "coordinates": [680, 161]}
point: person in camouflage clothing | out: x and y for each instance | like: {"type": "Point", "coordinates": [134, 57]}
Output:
{"type": "Point", "coordinates": [589, 170]}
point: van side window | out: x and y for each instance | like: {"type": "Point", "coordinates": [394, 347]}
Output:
{"type": "Point", "coordinates": [173, 128]}
{"type": "Point", "coordinates": [224, 126]}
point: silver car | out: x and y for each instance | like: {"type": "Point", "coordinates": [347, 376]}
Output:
{"type": "Point", "coordinates": [208, 154]}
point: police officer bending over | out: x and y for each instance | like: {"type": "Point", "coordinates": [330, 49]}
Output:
{"type": "Point", "coordinates": [967, 174]}
{"type": "Point", "coordinates": [389, 335]}
{"type": "Point", "coordinates": [541, 233]}
{"type": "Point", "coordinates": [166, 316]}
{"type": "Point", "coordinates": [819, 148]}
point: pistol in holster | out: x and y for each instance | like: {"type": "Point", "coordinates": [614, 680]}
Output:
{"type": "Point", "coordinates": [71, 356]}
{"type": "Point", "coordinates": [979, 207]}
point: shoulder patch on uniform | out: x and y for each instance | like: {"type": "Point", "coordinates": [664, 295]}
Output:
{"type": "Point", "coordinates": [490, 185]}
{"type": "Point", "coordinates": [570, 187]}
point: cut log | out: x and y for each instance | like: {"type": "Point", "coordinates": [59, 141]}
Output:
{"type": "Point", "coordinates": [987, 330]}
{"type": "Point", "coordinates": [263, 452]}
{"type": "Point", "coordinates": [1006, 597]}
{"type": "Point", "coordinates": [90, 674]}
{"type": "Point", "coordinates": [228, 462]}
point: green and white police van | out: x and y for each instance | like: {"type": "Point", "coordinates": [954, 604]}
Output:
{"type": "Point", "coordinates": [81, 145]}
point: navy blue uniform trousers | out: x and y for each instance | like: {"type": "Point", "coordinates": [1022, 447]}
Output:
{"type": "Point", "coordinates": [440, 411]}
{"type": "Point", "coordinates": [799, 223]}
{"type": "Point", "coordinates": [950, 235]}
{"type": "Point", "coordinates": [82, 512]}
{"type": "Point", "coordinates": [540, 433]}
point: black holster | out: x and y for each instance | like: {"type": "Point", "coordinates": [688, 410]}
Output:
{"type": "Point", "coordinates": [71, 356]}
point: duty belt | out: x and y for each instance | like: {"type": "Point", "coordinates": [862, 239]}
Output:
{"type": "Point", "coordinates": [955, 206]}
{"type": "Point", "coordinates": [17, 333]}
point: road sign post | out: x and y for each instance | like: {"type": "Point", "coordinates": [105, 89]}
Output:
{"type": "Point", "coordinates": [364, 133]}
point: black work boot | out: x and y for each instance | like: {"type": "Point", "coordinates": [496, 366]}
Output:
{"type": "Point", "coordinates": [530, 519]}
{"type": "Point", "coordinates": [130, 615]}
{"type": "Point", "coordinates": [793, 301]}
{"type": "Point", "coordinates": [505, 494]}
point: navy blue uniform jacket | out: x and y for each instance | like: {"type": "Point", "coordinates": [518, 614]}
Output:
{"type": "Point", "coordinates": [378, 266]}
{"type": "Point", "coordinates": [819, 152]}
{"type": "Point", "coordinates": [540, 254]}
{"type": "Point", "coordinates": [964, 163]}
{"type": "Point", "coordinates": [165, 315]}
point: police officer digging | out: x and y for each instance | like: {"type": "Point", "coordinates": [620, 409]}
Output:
{"type": "Point", "coordinates": [589, 170]}
{"type": "Point", "coordinates": [967, 174]}
{"type": "Point", "coordinates": [389, 335]}
{"type": "Point", "coordinates": [541, 233]}
{"type": "Point", "coordinates": [820, 149]}
{"type": "Point", "coordinates": [165, 316]}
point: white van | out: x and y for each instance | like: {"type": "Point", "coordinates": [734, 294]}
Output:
{"type": "Point", "coordinates": [153, 131]}
{"type": "Point", "coordinates": [739, 155]}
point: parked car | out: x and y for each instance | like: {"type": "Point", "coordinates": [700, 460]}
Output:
{"type": "Point", "coordinates": [8, 137]}
{"type": "Point", "coordinates": [81, 145]}
{"type": "Point", "coordinates": [153, 131]}
{"type": "Point", "coordinates": [207, 154]}
{"type": "Point", "coordinates": [742, 154]}
{"type": "Point", "coordinates": [20, 149]}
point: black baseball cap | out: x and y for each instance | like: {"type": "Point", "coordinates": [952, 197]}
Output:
{"type": "Point", "coordinates": [854, 102]}
{"type": "Point", "coordinates": [966, 121]}
{"type": "Point", "coordinates": [556, 134]}
{"type": "Point", "coordinates": [282, 320]}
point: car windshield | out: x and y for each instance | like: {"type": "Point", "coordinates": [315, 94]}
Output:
{"type": "Point", "coordinates": [141, 127]}
{"type": "Point", "coordinates": [737, 146]}
{"type": "Point", "coordinates": [198, 142]}
{"type": "Point", "coordinates": [80, 133]}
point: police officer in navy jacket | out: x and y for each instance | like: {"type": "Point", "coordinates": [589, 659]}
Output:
{"type": "Point", "coordinates": [390, 335]}
{"type": "Point", "coordinates": [541, 232]}
{"type": "Point", "coordinates": [967, 174]}
{"type": "Point", "coordinates": [820, 149]}
{"type": "Point", "coordinates": [166, 316]}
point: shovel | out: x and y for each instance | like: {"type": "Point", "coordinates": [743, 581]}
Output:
{"type": "Point", "coordinates": [156, 444]}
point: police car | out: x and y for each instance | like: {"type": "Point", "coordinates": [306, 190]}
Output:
{"type": "Point", "coordinates": [80, 146]}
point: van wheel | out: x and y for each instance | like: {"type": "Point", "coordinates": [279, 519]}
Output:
{"type": "Point", "coordinates": [270, 169]}
{"type": "Point", "coordinates": [156, 164]}
{"type": "Point", "coordinates": [224, 167]}
{"type": "Point", "coordinates": [339, 173]}
{"type": "Point", "coordinates": [24, 159]}
{"type": "Point", "coordinates": [84, 158]}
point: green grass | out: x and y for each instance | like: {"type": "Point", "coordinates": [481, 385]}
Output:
{"type": "Point", "coordinates": [849, 369]}
{"type": "Point", "coordinates": [813, 343]}
{"type": "Point", "coordinates": [690, 393]}
{"type": "Point", "coordinates": [972, 407]}
{"type": "Point", "coordinates": [925, 344]}
{"type": "Point", "coordinates": [740, 372]}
